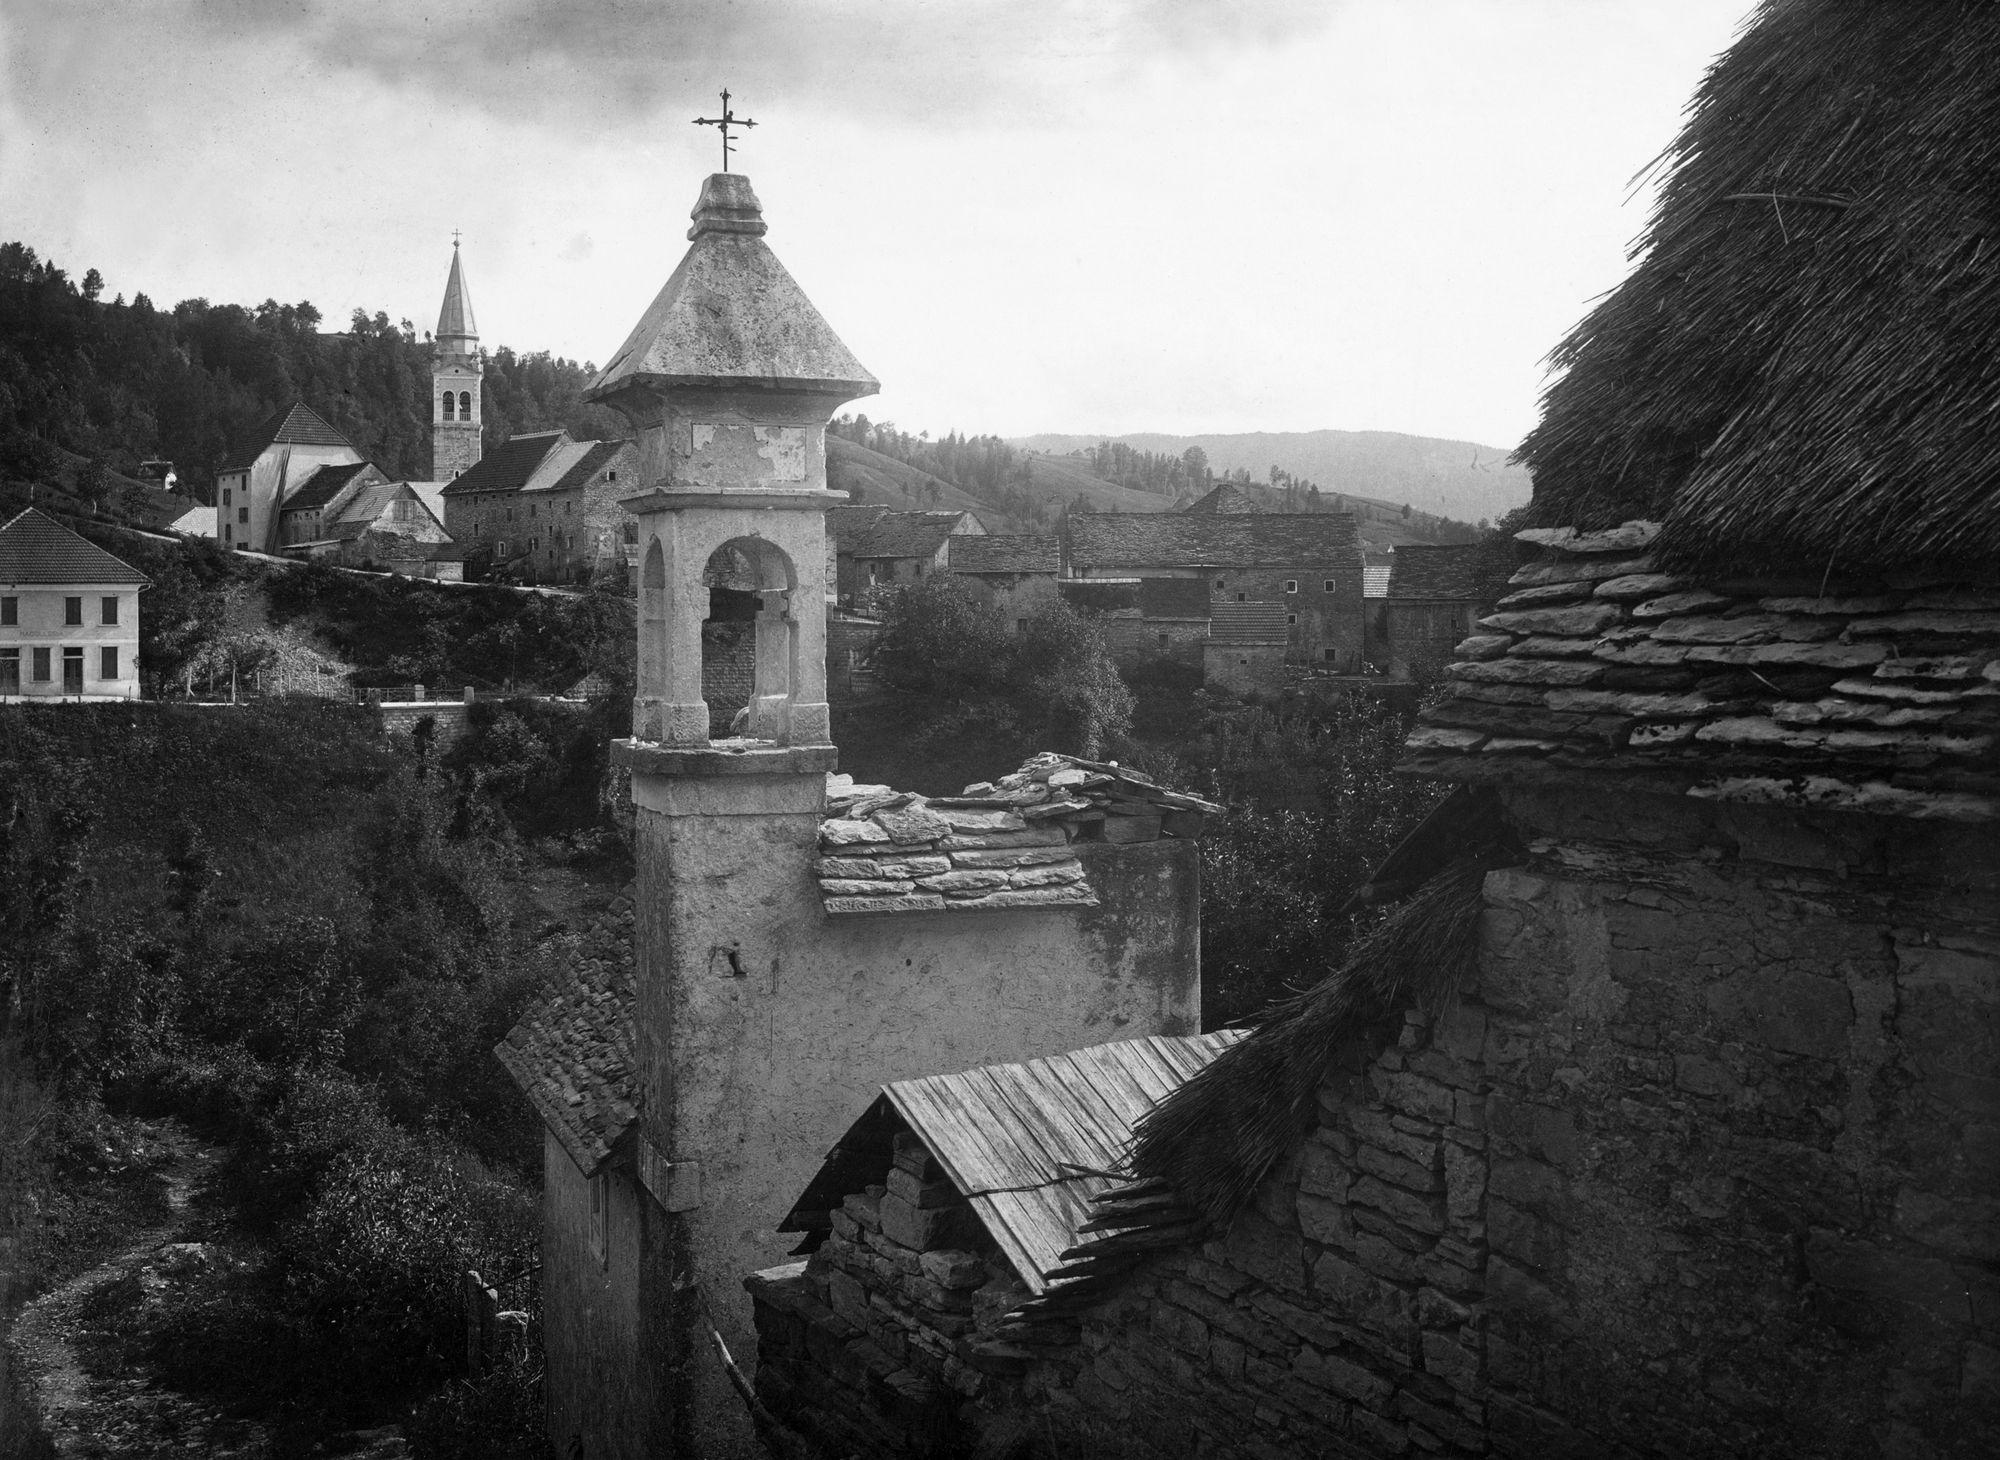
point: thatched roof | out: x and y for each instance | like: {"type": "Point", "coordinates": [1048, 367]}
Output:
{"type": "Point", "coordinates": [1805, 362]}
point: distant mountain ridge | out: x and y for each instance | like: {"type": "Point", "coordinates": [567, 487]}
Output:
{"type": "Point", "coordinates": [1459, 479]}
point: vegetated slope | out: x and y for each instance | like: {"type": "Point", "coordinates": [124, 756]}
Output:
{"type": "Point", "coordinates": [1069, 482]}
{"type": "Point", "coordinates": [1458, 479]}
{"type": "Point", "coordinates": [868, 476]}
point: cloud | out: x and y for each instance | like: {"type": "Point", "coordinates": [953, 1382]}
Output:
{"type": "Point", "coordinates": [619, 63]}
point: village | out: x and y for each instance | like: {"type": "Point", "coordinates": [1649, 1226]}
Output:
{"type": "Point", "coordinates": [651, 940]}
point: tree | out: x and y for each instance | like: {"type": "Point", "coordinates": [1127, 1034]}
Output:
{"type": "Point", "coordinates": [93, 285]}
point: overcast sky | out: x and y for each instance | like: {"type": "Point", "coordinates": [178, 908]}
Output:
{"type": "Point", "coordinates": [1022, 215]}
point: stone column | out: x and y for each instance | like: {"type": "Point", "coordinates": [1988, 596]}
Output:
{"type": "Point", "coordinates": [771, 692]}
{"type": "Point", "coordinates": [812, 722]}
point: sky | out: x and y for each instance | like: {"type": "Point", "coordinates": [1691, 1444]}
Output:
{"type": "Point", "coordinates": [1022, 215]}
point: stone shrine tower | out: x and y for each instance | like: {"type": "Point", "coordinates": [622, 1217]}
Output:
{"type": "Point", "coordinates": [456, 371]}
{"type": "Point", "coordinates": [687, 1107]}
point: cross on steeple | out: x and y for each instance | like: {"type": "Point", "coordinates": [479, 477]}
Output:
{"type": "Point", "coordinates": [727, 120]}
{"type": "Point", "coordinates": [454, 238]}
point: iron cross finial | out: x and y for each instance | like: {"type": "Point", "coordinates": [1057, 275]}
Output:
{"type": "Point", "coordinates": [727, 120]}
{"type": "Point", "coordinates": [454, 238]}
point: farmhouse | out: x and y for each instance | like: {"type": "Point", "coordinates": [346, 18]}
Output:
{"type": "Point", "coordinates": [548, 505]}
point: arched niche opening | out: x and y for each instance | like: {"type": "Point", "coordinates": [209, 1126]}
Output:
{"type": "Point", "coordinates": [749, 641]}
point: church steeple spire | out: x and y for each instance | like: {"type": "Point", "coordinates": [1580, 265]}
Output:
{"type": "Point", "coordinates": [456, 371]}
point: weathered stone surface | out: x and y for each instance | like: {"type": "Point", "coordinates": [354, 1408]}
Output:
{"type": "Point", "coordinates": [1660, 736]}
{"type": "Point", "coordinates": [864, 887]}
{"type": "Point", "coordinates": [918, 1192]}
{"type": "Point", "coordinates": [915, 902]}
{"type": "Point", "coordinates": [1627, 537]}
{"type": "Point", "coordinates": [1799, 1013]}
{"type": "Point", "coordinates": [1749, 628]}
{"type": "Point", "coordinates": [1890, 688]}
{"type": "Point", "coordinates": [1940, 666]}
{"type": "Point", "coordinates": [1548, 646]}
{"type": "Point", "coordinates": [1527, 671]}
{"type": "Point", "coordinates": [1442, 737]}
{"type": "Point", "coordinates": [1359, 1296]}
{"type": "Point", "coordinates": [1541, 597]}
{"type": "Point", "coordinates": [1635, 586]}
{"type": "Point", "coordinates": [920, 1229]}
{"type": "Point", "coordinates": [1077, 894]}
{"type": "Point", "coordinates": [1411, 1211]}
{"type": "Point", "coordinates": [1833, 605]}
{"type": "Point", "coordinates": [841, 831]}
{"type": "Point", "coordinates": [1045, 876]}
{"type": "Point", "coordinates": [1617, 702]}
{"type": "Point", "coordinates": [960, 819]}
{"type": "Point", "coordinates": [912, 825]}
{"type": "Point", "coordinates": [1836, 711]}
{"type": "Point", "coordinates": [1027, 857]}
{"type": "Point", "coordinates": [1584, 619]}
{"type": "Point", "coordinates": [1953, 625]}
{"type": "Point", "coordinates": [893, 869]}
{"type": "Point", "coordinates": [1339, 1376]}
{"type": "Point", "coordinates": [1482, 646]}
{"type": "Point", "coordinates": [1034, 836]}
{"type": "Point", "coordinates": [965, 881]}
{"type": "Point", "coordinates": [1422, 1176]}
{"type": "Point", "coordinates": [1668, 605]}
{"type": "Point", "coordinates": [1592, 571]}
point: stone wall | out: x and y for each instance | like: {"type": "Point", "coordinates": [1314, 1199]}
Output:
{"type": "Point", "coordinates": [1702, 1165]}
{"type": "Point", "coordinates": [1327, 619]}
{"type": "Point", "coordinates": [590, 1306]}
{"type": "Point", "coordinates": [1243, 668]}
{"type": "Point", "coordinates": [447, 718]}
{"type": "Point", "coordinates": [728, 671]}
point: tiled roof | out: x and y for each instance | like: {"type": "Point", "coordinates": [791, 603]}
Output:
{"type": "Point", "coordinates": [1248, 623]}
{"type": "Point", "coordinates": [1027, 1144]}
{"type": "Point", "coordinates": [1002, 844]}
{"type": "Point", "coordinates": [296, 425]}
{"type": "Point", "coordinates": [730, 312]}
{"type": "Point", "coordinates": [1180, 540]}
{"type": "Point", "coordinates": [907, 534]}
{"type": "Point", "coordinates": [324, 485]}
{"type": "Point", "coordinates": [1005, 553]}
{"type": "Point", "coordinates": [1460, 572]}
{"type": "Point", "coordinates": [1222, 501]}
{"type": "Point", "coordinates": [572, 1053]}
{"type": "Point", "coordinates": [35, 548]}
{"type": "Point", "coordinates": [1182, 598]}
{"type": "Point", "coordinates": [195, 522]}
{"type": "Point", "coordinates": [1375, 582]}
{"type": "Point", "coordinates": [455, 314]}
{"type": "Point", "coordinates": [1858, 692]}
{"type": "Point", "coordinates": [508, 467]}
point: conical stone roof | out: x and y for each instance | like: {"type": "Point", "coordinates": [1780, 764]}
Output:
{"type": "Point", "coordinates": [731, 314]}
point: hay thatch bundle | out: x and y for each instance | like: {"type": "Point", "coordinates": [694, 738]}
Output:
{"type": "Point", "coordinates": [1805, 362]}
{"type": "Point", "coordinates": [1212, 1141]}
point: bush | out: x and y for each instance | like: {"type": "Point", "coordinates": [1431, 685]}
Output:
{"type": "Point", "coordinates": [497, 1416]}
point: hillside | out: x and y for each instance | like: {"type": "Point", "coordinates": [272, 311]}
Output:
{"type": "Point", "coordinates": [1458, 479]}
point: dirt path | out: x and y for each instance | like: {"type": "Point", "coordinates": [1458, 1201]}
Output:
{"type": "Point", "coordinates": [88, 1412]}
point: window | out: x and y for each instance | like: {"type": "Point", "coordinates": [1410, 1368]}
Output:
{"type": "Point", "coordinates": [1163, 641]}
{"type": "Point", "coordinates": [1327, 586]}
{"type": "Point", "coordinates": [1291, 585]}
{"type": "Point", "coordinates": [10, 610]}
{"type": "Point", "coordinates": [533, 510]}
{"type": "Point", "coordinates": [1020, 626]}
{"type": "Point", "coordinates": [1220, 585]}
{"type": "Point", "coordinates": [465, 405]}
{"type": "Point", "coordinates": [448, 402]}
{"type": "Point", "coordinates": [1327, 654]}
{"type": "Point", "coordinates": [107, 662]}
{"type": "Point", "coordinates": [73, 670]}
{"type": "Point", "coordinates": [41, 666]}
{"type": "Point", "coordinates": [10, 671]}
{"type": "Point", "coordinates": [500, 547]}
{"type": "Point", "coordinates": [72, 610]}
{"type": "Point", "coordinates": [111, 608]}
{"type": "Point", "coordinates": [226, 530]}
{"type": "Point", "coordinates": [632, 532]}
{"type": "Point", "coordinates": [600, 1218]}
{"type": "Point", "coordinates": [1245, 659]}
{"type": "Point", "coordinates": [1241, 597]}
{"type": "Point", "coordinates": [225, 497]}
{"type": "Point", "coordinates": [242, 514]}
{"type": "Point", "coordinates": [612, 475]}
{"type": "Point", "coordinates": [510, 514]}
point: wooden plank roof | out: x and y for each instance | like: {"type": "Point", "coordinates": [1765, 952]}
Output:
{"type": "Point", "coordinates": [1031, 1144]}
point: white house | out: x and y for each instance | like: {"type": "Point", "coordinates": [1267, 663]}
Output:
{"type": "Point", "coordinates": [69, 615]}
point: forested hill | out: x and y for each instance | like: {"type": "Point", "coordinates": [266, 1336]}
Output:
{"type": "Point", "coordinates": [119, 382]}
{"type": "Point", "coordinates": [1456, 479]}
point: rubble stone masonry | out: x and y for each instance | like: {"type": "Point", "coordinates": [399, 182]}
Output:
{"type": "Point", "coordinates": [1706, 1164]}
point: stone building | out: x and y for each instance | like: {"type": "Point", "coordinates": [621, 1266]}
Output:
{"type": "Point", "coordinates": [1225, 498]}
{"type": "Point", "coordinates": [1309, 564]}
{"type": "Point", "coordinates": [800, 941]}
{"type": "Point", "coordinates": [457, 372]}
{"type": "Point", "coordinates": [69, 615]}
{"type": "Point", "coordinates": [1433, 597]}
{"type": "Point", "coordinates": [901, 547]}
{"type": "Point", "coordinates": [1657, 1114]}
{"type": "Point", "coordinates": [548, 507]}
{"type": "Point", "coordinates": [1013, 574]}
{"type": "Point", "coordinates": [352, 515]}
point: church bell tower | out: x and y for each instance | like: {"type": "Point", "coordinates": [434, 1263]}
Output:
{"type": "Point", "coordinates": [456, 369]}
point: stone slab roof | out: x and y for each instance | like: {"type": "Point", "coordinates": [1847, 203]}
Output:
{"type": "Point", "coordinates": [1459, 572]}
{"type": "Point", "coordinates": [1098, 540]}
{"type": "Point", "coordinates": [1248, 623]}
{"type": "Point", "coordinates": [1173, 598]}
{"type": "Point", "coordinates": [1224, 500]}
{"type": "Point", "coordinates": [1375, 582]}
{"type": "Point", "coordinates": [577, 471]}
{"type": "Point", "coordinates": [731, 313]}
{"type": "Point", "coordinates": [1006, 553]}
{"type": "Point", "coordinates": [573, 1051]}
{"type": "Point", "coordinates": [295, 425]}
{"type": "Point", "coordinates": [1871, 693]}
{"type": "Point", "coordinates": [907, 534]}
{"type": "Point", "coordinates": [1001, 844]}
{"type": "Point", "coordinates": [508, 467]}
{"type": "Point", "coordinates": [35, 548]}
{"type": "Point", "coordinates": [847, 526]}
